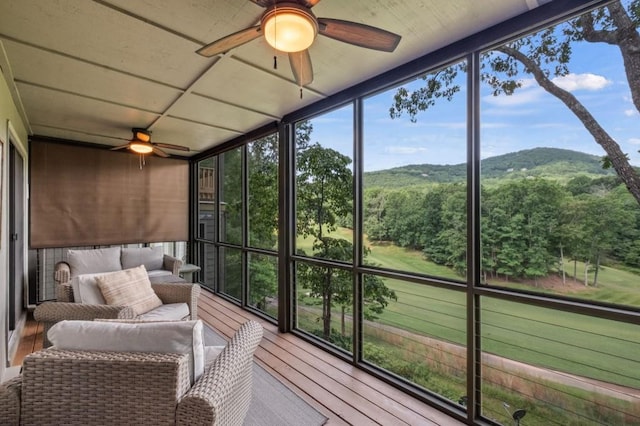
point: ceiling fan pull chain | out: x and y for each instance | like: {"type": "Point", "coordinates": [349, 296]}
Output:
{"type": "Point", "coordinates": [275, 29]}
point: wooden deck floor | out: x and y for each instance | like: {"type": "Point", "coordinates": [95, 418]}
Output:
{"type": "Point", "coordinates": [343, 393]}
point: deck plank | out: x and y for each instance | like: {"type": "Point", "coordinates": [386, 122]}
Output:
{"type": "Point", "coordinates": [366, 393]}
{"type": "Point", "coordinates": [30, 341]}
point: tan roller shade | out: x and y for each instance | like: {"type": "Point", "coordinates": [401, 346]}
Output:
{"type": "Point", "coordinates": [82, 196]}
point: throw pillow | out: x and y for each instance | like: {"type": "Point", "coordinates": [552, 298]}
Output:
{"type": "Point", "coordinates": [165, 337]}
{"type": "Point", "coordinates": [94, 261]}
{"type": "Point", "coordinates": [86, 290]}
{"type": "Point", "coordinates": [130, 287]}
{"type": "Point", "coordinates": [151, 257]}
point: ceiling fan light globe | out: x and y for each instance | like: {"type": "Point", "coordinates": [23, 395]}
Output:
{"type": "Point", "coordinates": [289, 29]}
{"type": "Point", "coordinates": [141, 147]}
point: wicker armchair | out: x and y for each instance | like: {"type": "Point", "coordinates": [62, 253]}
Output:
{"type": "Point", "coordinates": [104, 388]}
{"type": "Point", "coordinates": [65, 308]}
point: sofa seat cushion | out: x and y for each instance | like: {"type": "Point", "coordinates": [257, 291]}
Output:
{"type": "Point", "coordinates": [130, 287]}
{"type": "Point", "coordinates": [93, 261]}
{"type": "Point", "coordinates": [150, 257]}
{"type": "Point", "coordinates": [168, 312]}
{"type": "Point", "coordinates": [164, 337]}
{"type": "Point", "coordinates": [158, 273]}
{"type": "Point", "coordinates": [166, 279]}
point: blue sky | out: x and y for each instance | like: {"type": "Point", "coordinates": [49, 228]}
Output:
{"type": "Point", "coordinates": [530, 118]}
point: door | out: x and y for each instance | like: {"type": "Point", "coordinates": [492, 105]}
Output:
{"type": "Point", "coordinates": [16, 237]}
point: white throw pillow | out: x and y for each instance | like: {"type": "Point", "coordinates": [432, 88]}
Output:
{"type": "Point", "coordinates": [94, 261]}
{"type": "Point", "coordinates": [86, 290]}
{"type": "Point", "coordinates": [182, 337]}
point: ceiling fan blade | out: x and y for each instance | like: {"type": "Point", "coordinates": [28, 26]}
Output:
{"type": "Point", "coordinates": [126, 145]}
{"type": "Point", "coordinates": [157, 151]}
{"type": "Point", "coordinates": [264, 3]}
{"type": "Point", "coordinates": [358, 34]}
{"type": "Point", "coordinates": [171, 146]}
{"type": "Point", "coordinates": [230, 42]}
{"type": "Point", "coordinates": [301, 66]}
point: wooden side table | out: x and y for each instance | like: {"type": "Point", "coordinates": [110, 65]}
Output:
{"type": "Point", "coordinates": [187, 270]}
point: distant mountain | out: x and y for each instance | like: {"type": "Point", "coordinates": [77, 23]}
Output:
{"type": "Point", "coordinates": [538, 162]}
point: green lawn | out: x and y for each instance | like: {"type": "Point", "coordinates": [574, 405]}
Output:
{"type": "Point", "coordinates": [577, 344]}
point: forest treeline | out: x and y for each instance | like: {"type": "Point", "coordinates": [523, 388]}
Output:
{"type": "Point", "coordinates": [528, 225]}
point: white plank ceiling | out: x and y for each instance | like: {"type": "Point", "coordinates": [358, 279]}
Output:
{"type": "Point", "coordinates": [90, 70]}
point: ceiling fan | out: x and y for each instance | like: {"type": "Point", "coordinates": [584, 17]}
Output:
{"type": "Point", "coordinates": [291, 27]}
{"type": "Point", "coordinates": [141, 144]}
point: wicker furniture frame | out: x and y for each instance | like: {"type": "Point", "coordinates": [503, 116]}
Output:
{"type": "Point", "coordinates": [65, 308]}
{"type": "Point", "coordinates": [105, 388]}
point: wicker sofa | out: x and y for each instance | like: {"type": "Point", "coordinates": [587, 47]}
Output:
{"type": "Point", "coordinates": [168, 286]}
{"type": "Point", "coordinates": [160, 267]}
{"type": "Point", "coordinates": [103, 388]}
{"type": "Point", "coordinates": [65, 308]}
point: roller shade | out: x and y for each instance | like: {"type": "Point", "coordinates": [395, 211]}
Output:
{"type": "Point", "coordinates": [84, 196]}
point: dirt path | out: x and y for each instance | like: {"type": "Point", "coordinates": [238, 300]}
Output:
{"type": "Point", "coordinates": [505, 364]}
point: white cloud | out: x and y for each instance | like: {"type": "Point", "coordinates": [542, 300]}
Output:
{"type": "Point", "coordinates": [405, 150]}
{"type": "Point", "coordinates": [634, 141]}
{"type": "Point", "coordinates": [630, 112]}
{"type": "Point", "coordinates": [587, 81]}
{"type": "Point", "coordinates": [527, 94]}
{"type": "Point", "coordinates": [488, 125]}
{"type": "Point", "coordinates": [451, 125]}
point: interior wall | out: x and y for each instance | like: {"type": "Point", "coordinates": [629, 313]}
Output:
{"type": "Point", "coordinates": [8, 114]}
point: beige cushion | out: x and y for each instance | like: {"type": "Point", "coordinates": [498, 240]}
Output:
{"type": "Point", "coordinates": [86, 290]}
{"type": "Point", "coordinates": [165, 337]}
{"type": "Point", "coordinates": [211, 353]}
{"type": "Point", "coordinates": [150, 257]}
{"type": "Point", "coordinates": [130, 287]}
{"type": "Point", "coordinates": [93, 261]}
{"type": "Point", "coordinates": [158, 273]}
{"type": "Point", "coordinates": [168, 312]}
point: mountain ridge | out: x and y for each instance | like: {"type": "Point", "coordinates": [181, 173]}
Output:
{"type": "Point", "coordinates": [536, 162]}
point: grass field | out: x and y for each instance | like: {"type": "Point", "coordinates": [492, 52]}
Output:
{"type": "Point", "coordinates": [577, 344]}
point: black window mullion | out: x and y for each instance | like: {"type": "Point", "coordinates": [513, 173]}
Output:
{"type": "Point", "coordinates": [358, 279]}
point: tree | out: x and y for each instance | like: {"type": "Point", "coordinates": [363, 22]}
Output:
{"type": "Point", "coordinates": [262, 215]}
{"type": "Point", "coordinates": [324, 185]}
{"type": "Point", "coordinates": [404, 218]}
{"type": "Point", "coordinates": [375, 201]}
{"type": "Point", "coordinates": [324, 195]}
{"type": "Point", "coordinates": [520, 228]}
{"type": "Point", "coordinates": [545, 55]}
{"type": "Point", "coordinates": [453, 229]}
{"type": "Point", "coordinates": [606, 217]}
